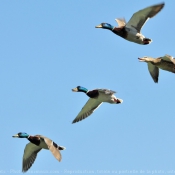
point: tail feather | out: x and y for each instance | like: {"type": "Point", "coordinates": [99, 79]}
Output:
{"type": "Point", "coordinates": [61, 148]}
{"type": "Point", "coordinates": [118, 100]}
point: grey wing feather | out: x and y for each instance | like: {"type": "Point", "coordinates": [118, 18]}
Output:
{"type": "Point", "coordinates": [54, 148]}
{"type": "Point", "coordinates": [30, 154]}
{"type": "Point", "coordinates": [106, 91]}
{"type": "Point", "coordinates": [139, 18]}
{"type": "Point", "coordinates": [87, 110]}
{"type": "Point", "coordinates": [154, 72]}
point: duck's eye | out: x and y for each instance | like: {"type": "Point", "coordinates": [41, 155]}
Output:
{"type": "Point", "coordinates": [107, 25]}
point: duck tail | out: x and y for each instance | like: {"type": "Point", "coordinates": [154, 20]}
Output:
{"type": "Point", "coordinates": [61, 148]}
{"type": "Point", "coordinates": [118, 100]}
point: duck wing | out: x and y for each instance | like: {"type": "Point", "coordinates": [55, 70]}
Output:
{"type": "Point", "coordinates": [139, 18]}
{"type": "Point", "coordinates": [53, 147]}
{"type": "Point", "coordinates": [121, 22]}
{"type": "Point", "coordinates": [168, 58]}
{"type": "Point", "coordinates": [154, 72]}
{"type": "Point", "coordinates": [91, 105]}
{"type": "Point", "coordinates": [106, 91]}
{"type": "Point", "coordinates": [30, 154]}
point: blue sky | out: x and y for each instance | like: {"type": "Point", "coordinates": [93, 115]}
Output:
{"type": "Point", "coordinates": [48, 48]}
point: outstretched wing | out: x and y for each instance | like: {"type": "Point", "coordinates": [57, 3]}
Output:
{"type": "Point", "coordinates": [30, 154]}
{"type": "Point", "coordinates": [168, 58]}
{"type": "Point", "coordinates": [139, 18]}
{"type": "Point", "coordinates": [121, 22]}
{"type": "Point", "coordinates": [154, 72]}
{"type": "Point", "coordinates": [87, 110]}
{"type": "Point", "coordinates": [107, 91]}
{"type": "Point", "coordinates": [53, 147]}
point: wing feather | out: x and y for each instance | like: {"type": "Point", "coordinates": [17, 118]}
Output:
{"type": "Point", "coordinates": [168, 58]}
{"type": "Point", "coordinates": [154, 72]}
{"type": "Point", "coordinates": [107, 91]}
{"type": "Point", "coordinates": [121, 22]}
{"type": "Point", "coordinates": [139, 18]}
{"type": "Point", "coordinates": [30, 154]}
{"type": "Point", "coordinates": [54, 148]}
{"type": "Point", "coordinates": [87, 110]}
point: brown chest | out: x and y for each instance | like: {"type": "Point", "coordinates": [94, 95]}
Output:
{"type": "Point", "coordinates": [120, 31]}
{"type": "Point", "coordinates": [35, 140]}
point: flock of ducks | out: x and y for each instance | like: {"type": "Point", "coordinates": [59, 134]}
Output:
{"type": "Point", "coordinates": [130, 31]}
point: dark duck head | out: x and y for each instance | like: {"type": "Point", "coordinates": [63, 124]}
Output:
{"type": "Point", "coordinates": [21, 135]}
{"type": "Point", "coordinates": [80, 89]}
{"type": "Point", "coordinates": [105, 26]}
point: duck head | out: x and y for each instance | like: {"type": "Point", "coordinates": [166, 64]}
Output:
{"type": "Point", "coordinates": [21, 135]}
{"type": "Point", "coordinates": [144, 59]}
{"type": "Point", "coordinates": [105, 26]}
{"type": "Point", "coordinates": [80, 89]}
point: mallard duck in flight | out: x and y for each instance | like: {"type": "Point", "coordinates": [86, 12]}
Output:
{"type": "Point", "coordinates": [37, 143]}
{"type": "Point", "coordinates": [97, 97]}
{"type": "Point", "coordinates": [131, 31]}
{"type": "Point", "coordinates": [166, 63]}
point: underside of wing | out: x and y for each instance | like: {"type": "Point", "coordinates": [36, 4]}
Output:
{"type": "Point", "coordinates": [139, 18]}
{"type": "Point", "coordinates": [121, 22]}
{"type": "Point", "coordinates": [87, 110]}
{"type": "Point", "coordinates": [54, 148]}
{"type": "Point", "coordinates": [154, 72]}
{"type": "Point", "coordinates": [107, 91]}
{"type": "Point", "coordinates": [30, 154]}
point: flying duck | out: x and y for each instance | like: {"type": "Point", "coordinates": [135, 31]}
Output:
{"type": "Point", "coordinates": [97, 97]}
{"type": "Point", "coordinates": [131, 31]}
{"type": "Point", "coordinates": [37, 143]}
{"type": "Point", "coordinates": [166, 63]}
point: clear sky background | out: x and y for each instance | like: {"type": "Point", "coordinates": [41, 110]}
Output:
{"type": "Point", "coordinates": [49, 47]}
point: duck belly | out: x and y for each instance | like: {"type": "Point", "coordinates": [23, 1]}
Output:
{"type": "Point", "coordinates": [106, 98]}
{"type": "Point", "coordinates": [135, 37]}
{"type": "Point", "coordinates": [43, 144]}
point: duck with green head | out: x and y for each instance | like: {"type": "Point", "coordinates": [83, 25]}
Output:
{"type": "Point", "coordinates": [131, 31]}
{"type": "Point", "coordinates": [37, 143]}
{"type": "Point", "coordinates": [97, 97]}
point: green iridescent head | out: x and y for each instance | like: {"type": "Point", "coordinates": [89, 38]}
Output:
{"type": "Point", "coordinates": [21, 135]}
{"type": "Point", "coordinates": [80, 89]}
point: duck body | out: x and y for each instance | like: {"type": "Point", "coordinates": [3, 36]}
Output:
{"type": "Point", "coordinates": [103, 95]}
{"type": "Point", "coordinates": [166, 63]}
{"type": "Point", "coordinates": [37, 143]}
{"type": "Point", "coordinates": [131, 31]}
{"type": "Point", "coordinates": [131, 35]}
{"type": "Point", "coordinates": [97, 97]}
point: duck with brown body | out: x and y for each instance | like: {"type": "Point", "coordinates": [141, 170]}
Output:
{"type": "Point", "coordinates": [166, 63]}
{"type": "Point", "coordinates": [131, 31]}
